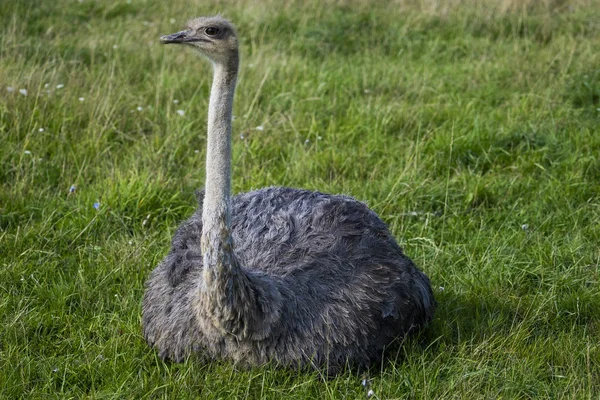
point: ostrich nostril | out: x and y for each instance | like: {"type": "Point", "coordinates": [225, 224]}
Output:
{"type": "Point", "coordinates": [173, 38]}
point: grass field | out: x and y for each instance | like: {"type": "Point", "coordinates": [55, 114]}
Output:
{"type": "Point", "coordinates": [472, 128]}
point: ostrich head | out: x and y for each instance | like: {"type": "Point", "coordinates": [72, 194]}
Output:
{"type": "Point", "coordinates": [214, 37]}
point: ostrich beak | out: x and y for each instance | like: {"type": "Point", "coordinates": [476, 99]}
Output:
{"type": "Point", "coordinates": [179, 37]}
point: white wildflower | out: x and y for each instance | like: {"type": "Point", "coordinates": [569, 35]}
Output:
{"type": "Point", "coordinates": [175, 101]}
{"type": "Point", "coordinates": [23, 92]}
{"type": "Point", "coordinates": [60, 86]}
{"type": "Point", "coordinates": [46, 85]}
{"type": "Point", "coordinates": [260, 128]}
{"type": "Point", "coordinates": [196, 151]}
{"type": "Point", "coordinates": [306, 141]}
{"type": "Point", "coordinates": [140, 108]}
{"type": "Point", "coordinates": [115, 46]}
{"type": "Point", "coordinates": [370, 393]}
{"type": "Point", "coordinates": [10, 89]}
{"type": "Point", "coordinates": [27, 152]}
{"type": "Point", "coordinates": [41, 130]}
{"type": "Point", "coordinates": [180, 112]}
{"type": "Point", "coordinates": [172, 21]}
{"type": "Point", "coordinates": [81, 98]}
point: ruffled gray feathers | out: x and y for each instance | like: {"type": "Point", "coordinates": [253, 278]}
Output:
{"type": "Point", "coordinates": [325, 285]}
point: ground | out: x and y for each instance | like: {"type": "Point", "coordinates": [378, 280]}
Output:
{"type": "Point", "coordinates": [471, 127]}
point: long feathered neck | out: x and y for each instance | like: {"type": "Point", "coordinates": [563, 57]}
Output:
{"type": "Point", "coordinates": [238, 303]}
{"type": "Point", "coordinates": [217, 245]}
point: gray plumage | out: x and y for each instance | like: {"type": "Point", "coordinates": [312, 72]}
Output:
{"type": "Point", "coordinates": [280, 275]}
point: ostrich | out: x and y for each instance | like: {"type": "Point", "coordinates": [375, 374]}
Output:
{"type": "Point", "coordinates": [288, 276]}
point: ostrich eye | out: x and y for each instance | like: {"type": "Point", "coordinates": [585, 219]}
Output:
{"type": "Point", "coordinates": [212, 31]}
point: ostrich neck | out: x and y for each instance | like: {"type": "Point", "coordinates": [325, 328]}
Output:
{"type": "Point", "coordinates": [217, 246]}
{"type": "Point", "coordinates": [244, 305]}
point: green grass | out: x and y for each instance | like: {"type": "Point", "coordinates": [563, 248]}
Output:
{"type": "Point", "coordinates": [473, 130]}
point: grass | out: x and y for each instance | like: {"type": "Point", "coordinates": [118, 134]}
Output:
{"type": "Point", "coordinates": [472, 128]}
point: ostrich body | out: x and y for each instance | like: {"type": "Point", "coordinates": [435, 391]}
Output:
{"type": "Point", "coordinates": [281, 275]}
